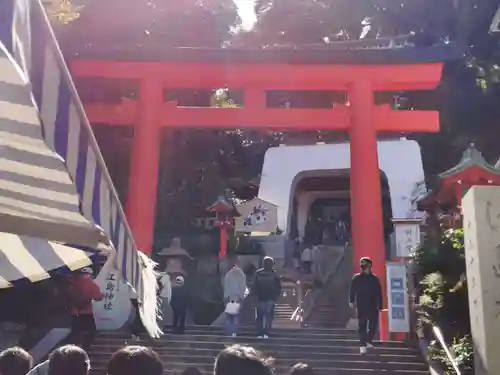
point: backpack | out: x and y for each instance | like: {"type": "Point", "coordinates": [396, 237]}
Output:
{"type": "Point", "coordinates": [75, 299]}
{"type": "Point", "coordinates": [267, 285]}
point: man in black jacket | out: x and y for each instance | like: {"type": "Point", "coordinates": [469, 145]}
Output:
{"type": "Point", "coordinates": [267, 289]}
{"type": "Point", "coordinates": [366, 295]}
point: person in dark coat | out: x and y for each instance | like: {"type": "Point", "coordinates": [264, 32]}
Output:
{"type": "Point", "coordinates": [178, 302]}
{"type": "Point", "coordinates": [366, 295]}
{"type": "Point", "coordinates": [267, 289]}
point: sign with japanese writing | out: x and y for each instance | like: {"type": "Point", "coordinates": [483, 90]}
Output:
{"type": "Point", "coordinates": [397, 295]}
{"type": "Point", "coordinates": [113, 311]}
{"type": "Point", "coordinates": [109, 293]}
{"type": "Point", "coordinates": [407, 234]}
{"type": "Point", "coordinates": [256, 215]}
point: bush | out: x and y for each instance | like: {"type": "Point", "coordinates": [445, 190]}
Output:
{"type": "Point", "coordinates": [462, 350]}
{"type": "Point", "coordinates": [443, 299]}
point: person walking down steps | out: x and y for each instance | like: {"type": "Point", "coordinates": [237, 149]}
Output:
{"type": "Point", "coordinates": [366, 295]}
{"type": "Point", "coordinates": [179, 305]}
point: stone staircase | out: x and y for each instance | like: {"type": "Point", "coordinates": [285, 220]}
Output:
{"type": "Point", "coordinates": [324, 344]}
{"type": "Point", "coordinates": [328, 351]}
{"type": "Point", "coordinates": [323, 341]}
{"type": "Point", "coordinates": [324, 316]}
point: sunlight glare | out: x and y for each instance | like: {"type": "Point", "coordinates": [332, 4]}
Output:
{"type": "Point", "coordinates": [247, 14]}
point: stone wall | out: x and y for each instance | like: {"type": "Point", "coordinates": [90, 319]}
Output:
{"type": "Point", "coordinates": [481, 210]}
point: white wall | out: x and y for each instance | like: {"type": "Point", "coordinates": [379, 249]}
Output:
{"type": "Point", "coordinates": [400, 160]}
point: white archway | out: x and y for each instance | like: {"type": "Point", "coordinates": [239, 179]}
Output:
{"type": "Point", "coordinates": [400, 160]}
{"type": "Point", "coordinates": [305, 199]}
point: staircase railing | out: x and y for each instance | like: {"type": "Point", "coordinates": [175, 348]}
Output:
{"type": "Point", "coordinates": [306, 304]}
{"type": "Point", "coordinates": [439, 336]}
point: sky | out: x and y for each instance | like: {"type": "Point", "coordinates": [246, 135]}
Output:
{"type": "Point", "coordinates": [246, 12]}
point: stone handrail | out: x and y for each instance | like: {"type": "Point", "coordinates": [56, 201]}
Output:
{"type": "Point", "coordinates": [330, 261]}
{"type": "Point", "coordinates": [327, 264]}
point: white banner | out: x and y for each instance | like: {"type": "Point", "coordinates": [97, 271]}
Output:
{"type": "Point", "coordinates": [407, 237]}
{"type": "Point", "coordinates": [113, 311]}
{"type": "Point", "coordinates": [397, 295]}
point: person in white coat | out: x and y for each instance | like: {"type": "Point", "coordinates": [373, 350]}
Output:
{"type": "Point", "coordinates": [165, 294]}
{"type": "Point", "coordinates": [235, 290]}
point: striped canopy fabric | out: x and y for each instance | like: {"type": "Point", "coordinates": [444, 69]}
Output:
{"type": "Point", "coordinates": [24, 258]}
{"type": "Point", "coordinates": [79, 191]}
{"type": "Point", "coordinates": [37, 196]}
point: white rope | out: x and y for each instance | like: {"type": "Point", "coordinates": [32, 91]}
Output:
{"type": "Point", "coordinates": [149, 308]}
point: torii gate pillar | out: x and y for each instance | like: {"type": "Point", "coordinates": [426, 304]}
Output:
{"type": "Point", "coordinates": [366, 201]}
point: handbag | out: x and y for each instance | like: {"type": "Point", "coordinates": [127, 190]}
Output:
{"type": "Point", "coordinates": [232, 308]}
{"type": "Point", "coordinates": [353, 324]}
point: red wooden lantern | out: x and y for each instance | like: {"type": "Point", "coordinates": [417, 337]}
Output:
{"type": "Point", "coordinates": [225, 212]}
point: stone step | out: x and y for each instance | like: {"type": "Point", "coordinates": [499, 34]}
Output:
{"type": "Point", "coordinates": [281, 340]}
{"type": "Point", "coordinates": [251, 328]}
{"type": "Point", "coordinates": [210, 341]}
{"type": "Point", "coordinates": [176, 368]}
{"type": "Point", "coordinates": [99, 362]}
{"type": "Point", "coordinates": [277, 333]}
{"type": "Point", "coordinates": [320, 324]}
{"type": "Point", "coordinates": [281, 354]}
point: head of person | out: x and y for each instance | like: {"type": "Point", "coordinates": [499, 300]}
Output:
{"type": "Point", "coordinates": [365, 264]}
{"type": "Point", "coordinates": [69, 359]}
{"type": "Point", "coordinates": [86, 272]}
{"type": "Point", "coordinates": [242, 360]}
{"type": "Point", "coordinates": [15, 361]}
{"type": "Point", "coordinates": [301, 369]}
{"type": "Point", "coordinates": [232, 261]}
{"type": "Point", "coordinates": [179, 281]}
{"type": "Point", "coordinates": [191, 371]}
{"type": "Point", "coordinates": [175, 242]}
{"type": "Point", "coordinates": [135, 360]}
{"type": "Point", "coordinates": [268, 263]}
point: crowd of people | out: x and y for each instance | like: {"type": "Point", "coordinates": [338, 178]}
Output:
{"type": "Point", "coordinates": [134, 360]}
{"type": "Point", "coordinates": [332, 230]}
{"type": "Point", "coordinates": [306, 249]}
{"type": "Point", "coordinates": [80, 290]}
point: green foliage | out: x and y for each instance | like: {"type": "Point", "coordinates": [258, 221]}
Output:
{"type": "Point", "coordinates": [463, 351]}
{"type": "Point", "coordinates": [447, 258]}
{"type": "Point", "coordinates": [180, 23]}
{"type": "Point", "coordinates": [440, 271]}
{"type": "Point", "coordinates": [62, 11]}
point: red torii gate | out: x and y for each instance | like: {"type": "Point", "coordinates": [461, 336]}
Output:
{"type": "Point", "coordinates": [360, 117]}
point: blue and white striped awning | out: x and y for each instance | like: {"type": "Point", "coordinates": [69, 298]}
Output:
{"type": "Point", "coordinates": [24, 258]}
{"type": "Point", "coordinates": [37, 196]}
{"type": "Point", "coordinates": [64, 181]}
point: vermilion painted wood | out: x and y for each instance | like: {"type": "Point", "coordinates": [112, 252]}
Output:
{"type": "Point", "coordinates": [361, 118]}
{"type": "Point", "coordinates": [337, 118]}
{"type": "Point", "coordinates": [265, 76]}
